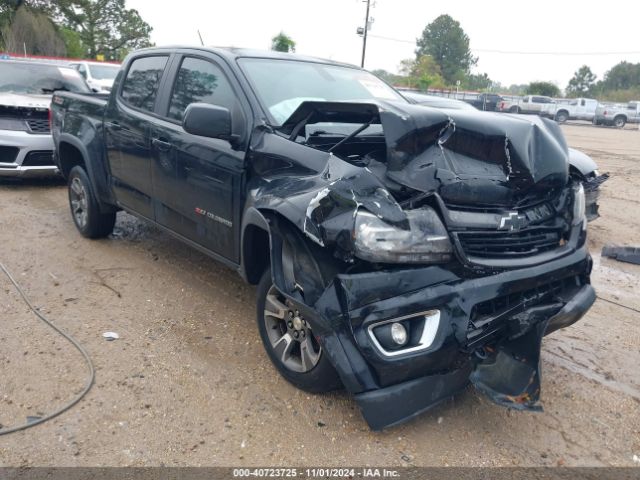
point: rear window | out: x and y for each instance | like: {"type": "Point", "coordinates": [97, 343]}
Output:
{"type": "Point", "coordinates": [39, 79]}
{"type": "Point", "coordinates": [140, 86]}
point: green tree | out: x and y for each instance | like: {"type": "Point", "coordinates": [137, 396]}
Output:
{"type": "Point", "coordinates": [73, 43]}
{"type": "Point", "coordinates": [283, 43]}
{"type": "Point", "coordinates": [448, 44]}
{"type": "Point", "coordinates": [582, 83]}
{"type": "Point", "coordinates": [547, 89]}
{"type": "Point", "coordinates": [422, 73]}
{"type": "Point", "coordinates": [31, 31]}
{"type": "Point", "coordinates": [623, 76]}
{"type": "Point", "coordinates": [477, 81]}
{"type": "Point", "coordinates": [104, 27]}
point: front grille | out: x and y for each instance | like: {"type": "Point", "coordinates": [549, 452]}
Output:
{"type": "Point", "coordinates": [490, 320]}
{"type": "Point", "coordinates": [43, 158]}
{"type": "Point", "coordinates": [500, 244]}
{"type": "Point", "coordinates": [8, 154]}
{"type": "Point", "coordinates": [38, 125]}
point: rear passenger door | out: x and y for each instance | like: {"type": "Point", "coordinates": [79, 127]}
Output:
{"type": "Point", "coordinates": [127, 123]}
{"type": "Point", "coordinates": [197, 180]}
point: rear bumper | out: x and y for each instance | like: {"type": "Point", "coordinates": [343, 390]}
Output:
{"type": "Point", "coordinates": [26, 155]}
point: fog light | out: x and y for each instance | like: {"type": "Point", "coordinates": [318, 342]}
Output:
{"type": "Point", "coordinates": [398, 333]}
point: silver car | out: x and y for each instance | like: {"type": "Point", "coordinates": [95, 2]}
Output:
{"type": "Point", "coordinates": [26, 145]}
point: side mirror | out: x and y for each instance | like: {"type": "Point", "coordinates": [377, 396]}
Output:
{"type": "Point", "coordinates": [208, 121]}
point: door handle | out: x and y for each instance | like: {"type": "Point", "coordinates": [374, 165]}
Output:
{"type": "Point", "coordinates": [161, 145]}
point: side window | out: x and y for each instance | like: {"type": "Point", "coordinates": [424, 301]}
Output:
{"type": "Point", "coordinates": [141, 84]}
{"type": "Point", "coordinates": [525, 100]}
{"type": "Point", "coordinates": [199, 81]}
{"type": "Point", "coordinates": [583, 102]}
{"type": "Point", "coordinates": [82, 70]}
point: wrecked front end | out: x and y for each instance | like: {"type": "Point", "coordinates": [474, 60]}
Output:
{"type": "Point", "coordinates": [427, 250]}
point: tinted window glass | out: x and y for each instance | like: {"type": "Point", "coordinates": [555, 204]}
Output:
{"type": "Point", "coordinates": [143, 79]}
{"type": "Point", "coordinates": [199, 81]}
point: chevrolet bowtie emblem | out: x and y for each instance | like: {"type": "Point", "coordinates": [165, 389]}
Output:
{"type": "Point", "coordinates": [513, 222]}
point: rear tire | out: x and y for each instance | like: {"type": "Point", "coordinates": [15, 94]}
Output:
{"type": "Point", "coordinates": [514, 109]}
{"type": "Point", "coordinates": [562, 116]}
{"type": "Point", "coordinates": [300, 360]}
{"type": "Point", "coordinates": [85, 210]}
{"type": "Point", "coordinates": [619, 121]}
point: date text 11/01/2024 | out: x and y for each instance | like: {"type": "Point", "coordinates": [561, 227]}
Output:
{"type": "Point", "coordinates": [316, 472]}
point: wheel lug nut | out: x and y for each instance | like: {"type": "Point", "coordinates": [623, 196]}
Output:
{"type": "Point", "coordinates": [297, 313]}
{"type": "Point", "coordinates": [290, 314]}
{"type": "Point", "coordinates": [296, 334]}
{"type": "Point", "coordinates": [303, 334]}
{"type": "Point", "coordinates": [290, 324]}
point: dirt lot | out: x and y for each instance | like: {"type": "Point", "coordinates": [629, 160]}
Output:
{"type": "Point", "coordinates": [188, 382]}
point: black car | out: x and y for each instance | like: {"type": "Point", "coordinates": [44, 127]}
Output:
{"type": "Point", "coordinates": [399, 251]}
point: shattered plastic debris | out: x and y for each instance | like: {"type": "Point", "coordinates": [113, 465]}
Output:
{"type": "Point", "coordinates": [622, 254]}
{"type": "Point", "coordinates": [110, 336]}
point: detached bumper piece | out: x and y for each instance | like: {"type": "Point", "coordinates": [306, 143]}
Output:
{"type": "Point", "coordinates": [396, 404]}
{"type": "Point", "coordinates": [592, 192]}
{"type": "Point", "coordinates": [508, 373]}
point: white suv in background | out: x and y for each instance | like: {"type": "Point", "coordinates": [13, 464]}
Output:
{"type": "Point", "coordinates": [98, 75]}
{"type": "Point", "coordinates": [26, 88]}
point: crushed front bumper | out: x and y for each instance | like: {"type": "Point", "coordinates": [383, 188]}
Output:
{"type": "Point", "coordinates": [485, 323]}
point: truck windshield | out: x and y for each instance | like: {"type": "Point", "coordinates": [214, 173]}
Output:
{"type": "Point", "coordinates": [39, 79]}
{"type": "Point", "coordinates": [104, 72]}
{"type": "Point", "coordinates": [282, 85]}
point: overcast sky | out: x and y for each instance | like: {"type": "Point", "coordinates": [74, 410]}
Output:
{"type": "Point", "coordinates": [327, 28]}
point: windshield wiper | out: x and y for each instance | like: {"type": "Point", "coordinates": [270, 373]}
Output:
{"type": "Point", "coordinates": [358, 130]}
{"type": "Point", "coordinates": [53, 90]}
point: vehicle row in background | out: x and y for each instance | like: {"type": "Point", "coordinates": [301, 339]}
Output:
{"type": "Point", "coordinates": [26, 87]}
{"type": "Point", "coordinates": [617, 115]}
{"type": "Point", "coordinates": [559, 109]}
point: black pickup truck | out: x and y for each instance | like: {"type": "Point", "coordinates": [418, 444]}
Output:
{"type": "Point", "coordinates": [399, 251]}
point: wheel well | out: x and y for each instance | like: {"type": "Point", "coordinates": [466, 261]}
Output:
{"type": "Point", "coordinates": [256, 253]}
{"type": "Point", "coordinates": [70, 156]}
{"type": "Point", "coordinates": [563, 111]}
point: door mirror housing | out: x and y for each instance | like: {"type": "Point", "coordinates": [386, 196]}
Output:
{"type": "Point", "coordinates": [208, 120]}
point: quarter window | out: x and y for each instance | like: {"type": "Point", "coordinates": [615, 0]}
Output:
{"type": "Point", "coordinates": [140, 87]}
{"type": "Point", "coordinates": [199, 81]}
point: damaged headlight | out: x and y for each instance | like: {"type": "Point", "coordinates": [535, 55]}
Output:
{"type": "Point", "coordinates": [426, 241]}
{"type": "Point", "coordinates": [579, 206]}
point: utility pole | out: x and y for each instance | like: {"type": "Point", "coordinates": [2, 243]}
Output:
{"type": "Point", "coordinates": [364, 36]}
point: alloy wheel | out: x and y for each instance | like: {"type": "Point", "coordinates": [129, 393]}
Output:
{"type": "Point", "coordinates": [290, 334]}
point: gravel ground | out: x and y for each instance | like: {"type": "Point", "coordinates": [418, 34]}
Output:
{"type": "Point", "coordinates": [188, 382]}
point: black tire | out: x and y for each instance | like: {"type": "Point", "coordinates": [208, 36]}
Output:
{"type": "Point", "coordinates": [619, 121]}
{"type": "Point", "coordinates": [321, 377]}
{"type": "Point", "coordinates": [89, 221]}
{"type": "Point", "coordinates": [562, 116]}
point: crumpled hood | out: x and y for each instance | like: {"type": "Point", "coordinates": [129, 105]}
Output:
{"type": "Point", "coordinates": [473, 157]}
{"type": "Point", "coordinates": [468, 157]}
{"type": "Point", "coordinates": [25, 100]}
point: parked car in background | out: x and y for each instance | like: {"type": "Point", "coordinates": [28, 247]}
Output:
{"type": "Point", "coordinates": [532, 104]}
{"type": "Point", "coordinates": [486, 101]}
{"type": "Point", "coordinates": [98, 75]}
{"type": "Point", "coordinates": [26, 146]}
{"type": "Point", "coordinates": [435, 101]}
{"type": "Point", "coordinates": [574, 109]}
{"type": "Point", "coordinates": [617, 115]}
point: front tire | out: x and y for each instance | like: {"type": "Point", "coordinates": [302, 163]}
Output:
{"type": "Point", "coordinates": [290, 343]}
{"type": "Point", "coordinates": [85, 211]}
